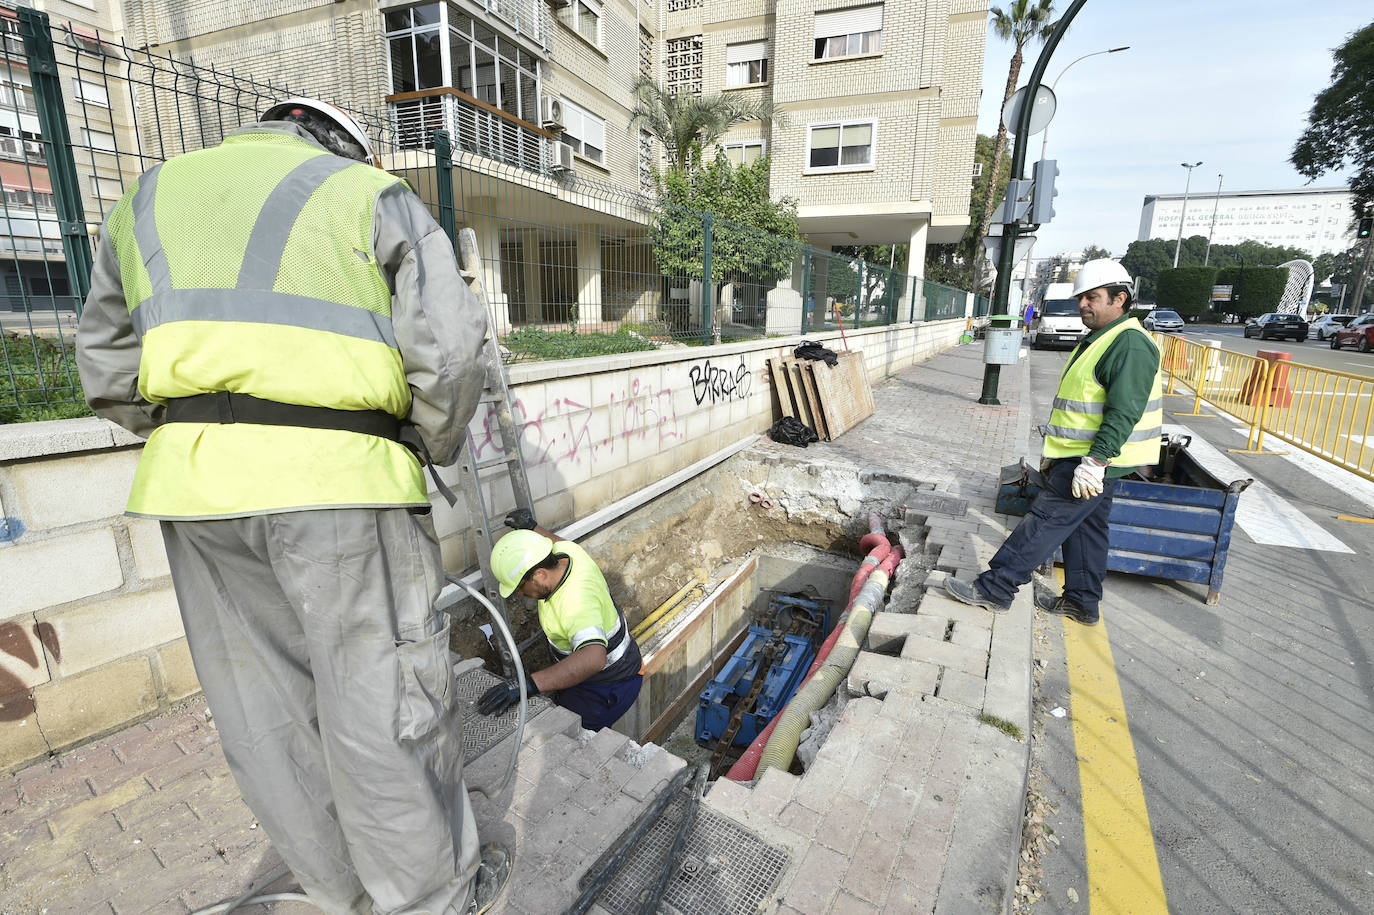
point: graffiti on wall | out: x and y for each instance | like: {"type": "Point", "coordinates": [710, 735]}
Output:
{"type": "Point", "coordinates": [561, 432]}
{"type": "Point", "coordinates": [719, 384]}
{"type": "Point", "coordinates": [16, 699]}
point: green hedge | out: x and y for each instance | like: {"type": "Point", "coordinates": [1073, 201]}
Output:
{"type": "Point", "coordinates": [1254, 290]}
{"type": "Point", "coordinates": [1187, 290]}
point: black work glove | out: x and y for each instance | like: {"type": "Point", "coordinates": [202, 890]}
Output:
{"type": "Point", "coordinates": [522, 519]}
{"type": "Point", "coordinates": [503, 695]}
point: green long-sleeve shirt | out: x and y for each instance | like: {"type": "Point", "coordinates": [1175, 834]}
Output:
{"type": "Point", "coordinates": [1127, 371]}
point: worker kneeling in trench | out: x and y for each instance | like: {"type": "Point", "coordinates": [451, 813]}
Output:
{"type": "Point", "coordinates": [598, 672]}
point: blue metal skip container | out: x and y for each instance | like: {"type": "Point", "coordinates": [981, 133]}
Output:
{"type": "Point", "coordinates": [1179, 530]}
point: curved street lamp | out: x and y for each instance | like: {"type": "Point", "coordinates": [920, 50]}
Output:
{"type": "Point", "coordinates": [1045, 138]}
{"type": "Point", "coordinates": [1186, 184]}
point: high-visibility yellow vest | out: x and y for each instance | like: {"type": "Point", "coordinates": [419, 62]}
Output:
{"type": "Point", "coordinates": [249, 268]}
{"type": "Point", "coordinates": [1078, 405]}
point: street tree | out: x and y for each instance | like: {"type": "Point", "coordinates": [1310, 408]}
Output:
{"type": "Point", "coordinates": [686, 124]}
{"type": "Point", "coordinates": [1093, 252]}
{"type": "Point", "coordinates": [1340, 130]}
{"type": "Point", "coordinates": [1019, 22]}
{"type": "Point", "coordinates": [952, 264]}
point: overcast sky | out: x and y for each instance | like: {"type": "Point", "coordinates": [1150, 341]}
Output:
{"type": "Point", "coordinates": [1222, 81]}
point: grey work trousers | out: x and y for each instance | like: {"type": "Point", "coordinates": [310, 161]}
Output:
{"type": "Point", "coordinates": [326, 666]}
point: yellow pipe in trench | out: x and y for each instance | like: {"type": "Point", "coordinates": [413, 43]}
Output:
{"type": "Point", "coordinates": [651, 623]}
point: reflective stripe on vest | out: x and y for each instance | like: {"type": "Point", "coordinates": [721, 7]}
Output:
{"type": "Point", "coordinates": [1079, 404]}
{"type": "Point", "coordinates": [616, 642]}
{"type": "Point", "coordinates": [219, 323]}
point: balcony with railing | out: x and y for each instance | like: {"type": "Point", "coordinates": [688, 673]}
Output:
{"type": "Point", "coordinates": [474, 127]}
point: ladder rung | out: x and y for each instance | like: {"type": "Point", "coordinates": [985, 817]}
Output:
{"type": "Point", "coordinates": [496, 462]}
{"type": "Point", "coordinates": [491, 397]}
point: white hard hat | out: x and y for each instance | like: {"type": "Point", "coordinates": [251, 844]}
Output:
{"type": "Point", "coordinates": [302, 109]}
{"type": "Point", "coordinates": [1098, 273]}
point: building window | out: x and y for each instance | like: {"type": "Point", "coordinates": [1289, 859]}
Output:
{"type": "Point", "coordinates": [838, 147]}
{"type": "Point", "coordinates": [844, 33]}
{"type": "Point", "coordinates": [414, 38]}
{"type": "Point", "coordinates": [683, 64]}
{"type": "Point", "coordinates": [584, 16]}
{"type": "Point", "coordinates": [98, 140]}
{"type": "Point", "coordinates": [90, 93]}
{"type": "Point", "coordinates": [745, 152]}
{"type": "Point", "coordinates": [584, 131]}
{"type": "Point", "coordinates": [746, 64]}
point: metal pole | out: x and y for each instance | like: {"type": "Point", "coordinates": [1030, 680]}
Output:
{"type": "Point", "coordinates": [1045, 136]}
{"type": "Point", "coordinates": [1006, 258]}
{"type": "Point", "coordinates": [443, 158]}
{"type": "Point", "coordinates": [1179, 243]}
{"type": "Point", "coordinates": [1215, 202]}
{"type": "Point", "coordinates": [707, 293]}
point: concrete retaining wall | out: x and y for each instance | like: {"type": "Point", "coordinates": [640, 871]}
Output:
{"type": "Point", "coordinates": [90, 636]}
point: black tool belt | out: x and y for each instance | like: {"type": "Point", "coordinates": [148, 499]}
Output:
{"type": "Point", "coordinates": [226, 407]}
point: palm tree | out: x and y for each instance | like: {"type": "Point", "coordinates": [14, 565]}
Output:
{"type": "Point", "coordinates": [1018, 22]}
{"type": "Point", "coordinates": [683, 121]}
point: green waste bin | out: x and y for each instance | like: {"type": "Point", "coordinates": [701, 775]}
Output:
{"type": "Point", "coordinates": [1002, 340]}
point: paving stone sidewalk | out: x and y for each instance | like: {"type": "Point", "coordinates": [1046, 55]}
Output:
{"type": "Point", "coordinates": [914, 804]}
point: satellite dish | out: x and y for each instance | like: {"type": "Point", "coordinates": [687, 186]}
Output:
{"type": "Point", "coordinates": [1042, 112]}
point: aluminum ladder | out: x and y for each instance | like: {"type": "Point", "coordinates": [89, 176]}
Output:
{"type": "Point", "coordinates": [486, 527]}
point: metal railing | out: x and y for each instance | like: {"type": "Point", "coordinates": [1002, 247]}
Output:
{"type": "Point", "coordinates": [575, 265]}
{"type": "Point", "coordinates": [1324, 412]}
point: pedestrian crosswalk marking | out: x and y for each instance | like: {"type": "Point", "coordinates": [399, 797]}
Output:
{"type": "Point", "coordinates": [1264, 516]}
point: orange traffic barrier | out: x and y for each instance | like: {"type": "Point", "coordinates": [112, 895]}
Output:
{"type": "Point", "coordinates": [1176, 356]}
{"type": "Point", "coordinates": [1274, 369]}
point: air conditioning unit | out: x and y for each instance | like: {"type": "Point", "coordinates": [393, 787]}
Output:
{"type": "Point", "coordinates": [562, 158]}
{"type": "Point", "coordinates": [551, 113]}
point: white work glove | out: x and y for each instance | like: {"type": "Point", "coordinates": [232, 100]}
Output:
{"type": "Point", "coordinates": [1087, 478]}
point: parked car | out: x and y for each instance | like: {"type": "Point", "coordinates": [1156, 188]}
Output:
{"type": "Point", "coordinates": [1277, 324]}
{"type": "Point", "coordinates": [1359, 333]}
{"type": "Point", "coordinates": [1163, 319]}
{"type": "Point", "coordinates": [1327, 325]}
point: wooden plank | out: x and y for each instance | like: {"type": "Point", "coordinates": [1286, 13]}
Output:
{"type": "Point", "coordinates": [799, 393]}
{"type": "Point", "coordinates": [814, 397]}
{"type": "Point", "coordinates": [844, 393]}
{"type": "Point", "coordinates": [783, 389]}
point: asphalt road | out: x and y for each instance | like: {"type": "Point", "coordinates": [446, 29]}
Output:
{"type": "Point", "coordinates": [1310, 352]}
{"type": "Point", "coordinates": [1249, 720]}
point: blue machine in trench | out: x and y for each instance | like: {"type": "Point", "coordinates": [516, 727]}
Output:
{"type": "Point", "coordinates": [782, 642]}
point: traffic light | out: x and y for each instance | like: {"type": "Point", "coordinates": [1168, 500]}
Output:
{"type": "Point", "coordinates": [1016, 201]}
{"type": "Point", "coordinates": [1366, 227]}
{"type": "Point", "coordinates": [1043, 191]}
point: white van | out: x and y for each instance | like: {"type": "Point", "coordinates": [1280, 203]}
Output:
{"type": "Point", "coordinates": [1056, 321]}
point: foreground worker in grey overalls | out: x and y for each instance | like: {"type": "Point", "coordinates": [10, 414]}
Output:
{"type": "Point", "coordinates": [274, 314]}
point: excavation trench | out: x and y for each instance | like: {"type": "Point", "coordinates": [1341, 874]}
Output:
{"type": "Point", "coordinates": [693, 567]}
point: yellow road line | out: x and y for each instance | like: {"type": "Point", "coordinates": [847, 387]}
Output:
{"type": "Point", "coordinates": [1123, 869]}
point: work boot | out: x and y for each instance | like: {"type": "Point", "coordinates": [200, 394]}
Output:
{"type": "Point", "coordinates": [967, 592]}
{"type": "Point", "coordinates": [492, 875]}
{"type": "Point", "coordinates": [1062, 606]}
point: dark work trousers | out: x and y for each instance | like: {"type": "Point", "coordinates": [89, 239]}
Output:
{"type": "Point", "coordinates": [1056, 519]}
{"type": "Point", "coordinates": [600, 704]}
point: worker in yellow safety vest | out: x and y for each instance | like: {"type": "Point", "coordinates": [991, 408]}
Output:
{"type": "Point", "coordinates": [286, 325]}
{"type": "Point", "coordinates": [1105, 423]}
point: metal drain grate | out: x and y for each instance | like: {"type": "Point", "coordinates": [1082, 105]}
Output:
{"type": "Point", "coordinates": [726, 869]}
{"type": "Point", "coordinates": [482, 732]}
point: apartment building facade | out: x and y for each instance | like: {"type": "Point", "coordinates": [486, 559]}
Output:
{"type": "Point", "coordinates": [1317, 220]}
{"type": "Point", "coordinates": [879, 98]}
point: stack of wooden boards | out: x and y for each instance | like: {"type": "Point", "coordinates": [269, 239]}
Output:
{"type": "Point", "coordinates": [829, 399]}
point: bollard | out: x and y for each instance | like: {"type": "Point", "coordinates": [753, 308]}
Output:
{"type": "Point", "coordinates": [1213, 372]}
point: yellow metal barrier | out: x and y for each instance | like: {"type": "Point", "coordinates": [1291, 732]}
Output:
{"type": "Point", "coordinates": [1326, 413]}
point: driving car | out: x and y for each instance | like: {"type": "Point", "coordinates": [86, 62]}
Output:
{"type": "Point", "coordinates": [1359, 334]}
{"type": "Point", "coordinates": [1327, 325]}
{"type": "Point", "coordinates": [1056, 318]}
{"type": "Point", "coordinates": [1164, 319]}
{"type": "Point", "coordinates": [1277, 324]}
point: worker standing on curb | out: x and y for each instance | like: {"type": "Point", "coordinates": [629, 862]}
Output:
{"type": "Point", "coordinates": [275, 314]}
{"type": "Point", "coordinates": [1105, 423]}
{"type": "Point", "coordinates": [598, 672]}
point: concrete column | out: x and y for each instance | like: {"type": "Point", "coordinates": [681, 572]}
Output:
{"type": "Point", "coordinates": [589, 275]}
{"type": "Point", "coordinates": [914, 306]}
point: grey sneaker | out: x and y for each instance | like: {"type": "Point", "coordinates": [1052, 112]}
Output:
{"type": "Point", "coordinates": [968, 592]}
{"type": "Point", "coordinates": [1062, 606]}
{"type": "Point", "coordinates": [492, 875]}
